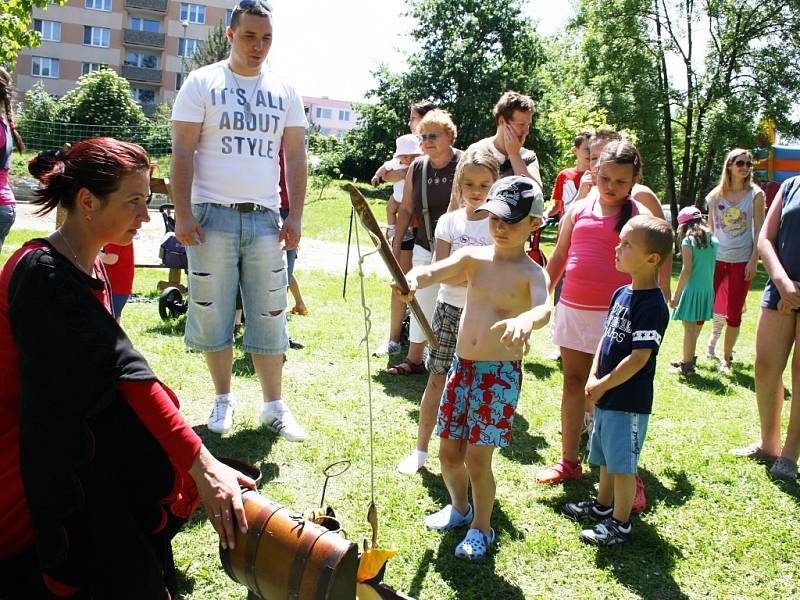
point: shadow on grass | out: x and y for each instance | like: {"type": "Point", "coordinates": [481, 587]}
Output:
{"type": "Point", "coordinates": [524, 447]}
{"type": "Point", "coordinates": [468, 583]}
{"type": "Point", "coordinates": [540, 370]}
{"type": "Point", "coordinates": [248, 445]}
{"type": "Point", "coordinates": [647, 564]}
{"type": "Point", "coordinates": [169, 327]}
{"type": "Point", "coordinates": [790, 488]}
{"type": "Point", "coordinates": [698, 381]}
{"type": "Point", "coordinates": [409, 387]}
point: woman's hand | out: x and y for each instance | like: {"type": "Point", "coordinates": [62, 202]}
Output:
{"type": "Point", "coordinates": [673, 302]}
{"type": "Point", "coordinates": [789, 292]}
{"type": "Point", "coordinates": [750, 269]}
{"type": "Point", "coordinates": [220, 491]}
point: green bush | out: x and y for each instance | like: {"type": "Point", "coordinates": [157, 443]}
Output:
{"type": "Point", "coordinates": [100, 98]}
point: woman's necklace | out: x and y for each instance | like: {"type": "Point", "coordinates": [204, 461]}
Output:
{"type": "Point", "coordinates": [436, 180]}
{"type": "Point", "coordinates": [74, 254]}
{"type": "Point", "coordinates": [248, 108]}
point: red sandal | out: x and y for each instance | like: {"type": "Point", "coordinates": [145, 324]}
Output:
{"type": "Point", "coordinates": [407, 368]}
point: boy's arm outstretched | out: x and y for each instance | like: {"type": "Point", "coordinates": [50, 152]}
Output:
{"type": "Point", "coordinates": [454, 266]}
{"type": "Point", "coordinates": [517, 330]}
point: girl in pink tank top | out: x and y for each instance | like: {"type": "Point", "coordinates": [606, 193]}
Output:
{"type": "Point", "coordinates": [586, 247]}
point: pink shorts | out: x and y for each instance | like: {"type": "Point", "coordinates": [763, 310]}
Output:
{"type": "Point", "coordinates": [577, 329]}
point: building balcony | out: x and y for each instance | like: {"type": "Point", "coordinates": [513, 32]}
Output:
{"type": "Point", "coordinates": [154, 5]}
{"type": "Point", "coordinates": [142, 74]}
{"type": "Point", "coordinates": [143, 38]}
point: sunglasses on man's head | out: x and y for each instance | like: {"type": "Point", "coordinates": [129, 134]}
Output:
{"type": "Point", "coordinates": [429, 136]}
{"type": "Point", "coordinates": [245, 4]}
{"type": "Point", "coordinates": [743, 163]}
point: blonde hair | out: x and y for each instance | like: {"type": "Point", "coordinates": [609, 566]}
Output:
{"type": "Point", "coordinates": [475, 158]}
{"type": "Point", "coordinates": [438, 118]}
{"type": "Point", "coordinates": [726, 180]}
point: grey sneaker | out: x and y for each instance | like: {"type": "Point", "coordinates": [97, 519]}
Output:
{"type": "Point", "coordinates": [607, 533]}
{"type": "Point", "coordinates": [284, 424]}
{"type": "Point", "coordinates": [587, 510]}
{"type": "Point", "coordinates": [388, 347]}
{"type": "Point", "coordinates": [784, 468]}
{"type": "Point", "coordinates": [448, 518]}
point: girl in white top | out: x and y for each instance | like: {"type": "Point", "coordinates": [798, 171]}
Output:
{"type": "Point", "coordinates": [475, 174]}
{"type": "Point", "coordinates": [735, 214]}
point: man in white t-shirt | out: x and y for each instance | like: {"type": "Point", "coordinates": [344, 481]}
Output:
{"type": "Point", "coordinates": [228, 123]}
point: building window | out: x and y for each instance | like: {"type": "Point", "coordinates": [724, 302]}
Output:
{"type": "Point", "coordinates": [344, 115]}
{"type": "Point", "coordinates": [193, 13]}
{"type": "Point", "coordinates": [228, 15]}
{"type": "Point", "coordinates": [179, 77]}
{"type": "Point", "coordinates": [142, 24]}
{"type": "Point", "coordinates": [98, 5]}
{"type": "Point", "coordinates": [50, 30]}
{"type": "Point", "coordinates": [146, 60]}
{"type": "Point", "coordinates": [44, 67]}
{"type": "Point", "coordinates": [96, 36]}
{"type": "Point", "coordinates": [188, 46]}
{"type": "Point", "coordinates": [143, 95]}
{"type": "Point", "coordinates": [87, 68]}
{"type": "Point", "coordinates": [324, 113]}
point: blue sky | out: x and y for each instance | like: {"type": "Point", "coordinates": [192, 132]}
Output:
{"type": "Point", "coordinates": [329, 48]}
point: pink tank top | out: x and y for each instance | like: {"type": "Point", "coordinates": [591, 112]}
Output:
{"type": "Point", "coordinates": [591, 277]}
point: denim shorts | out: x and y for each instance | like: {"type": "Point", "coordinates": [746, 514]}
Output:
{"type": "Point", "coordinates": [241, 250]}
{"type": "Point", "coordinates": [8, 214]}
{"type": "Point", "coordinates": [617, 439]}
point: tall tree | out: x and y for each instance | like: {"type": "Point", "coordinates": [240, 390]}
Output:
{"type": "Point", "coordinates": [216, 48]}
{"type": "Point", "coordinates": [739, 59]}
{"type": "Point", "coordinates": [470, 52]}
{"type": "Point", "coordinates": [15, 28]}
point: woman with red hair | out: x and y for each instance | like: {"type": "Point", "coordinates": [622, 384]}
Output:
{"type": "Point", "coordinates": [99, 469]}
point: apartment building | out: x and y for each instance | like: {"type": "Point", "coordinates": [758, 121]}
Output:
{"type": "Point", "coordinates": [333, 117]}
{"type": "Point", "coordinates": [146, 41]}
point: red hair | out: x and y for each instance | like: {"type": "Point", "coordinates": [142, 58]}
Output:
{"type": "Point", "coordinates": [97, 164]}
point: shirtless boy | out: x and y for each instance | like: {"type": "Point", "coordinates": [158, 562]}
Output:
{"type": "Point", "coordinates": [506, 299]}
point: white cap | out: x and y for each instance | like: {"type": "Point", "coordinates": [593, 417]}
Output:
{"type": "Point", "coordinates": [407, 144]}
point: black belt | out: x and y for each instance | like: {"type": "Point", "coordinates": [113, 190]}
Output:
{"type": "Point", "coordinates": [245, 207]}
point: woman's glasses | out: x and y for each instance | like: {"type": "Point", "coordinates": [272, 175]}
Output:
{"type": "Point", "coordinates": [743, 163]}
{"type": "Point", "coordinates": [429, 136]}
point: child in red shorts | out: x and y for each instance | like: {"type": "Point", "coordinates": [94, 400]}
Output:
{"type": "Point", "coordinates": [506, 299]}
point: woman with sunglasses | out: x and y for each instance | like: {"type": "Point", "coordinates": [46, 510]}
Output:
{"type": "Point", "coordinates": [735, 213]}
{"type": "Point", "coordinates": [427, 194]}
{"type": "Point", "coordinates": [98, 467]}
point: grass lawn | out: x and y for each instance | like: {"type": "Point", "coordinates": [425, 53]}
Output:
{"type": "Point", "coordinates": [717, 526]}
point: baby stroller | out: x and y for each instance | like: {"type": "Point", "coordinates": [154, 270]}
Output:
{"type": "Point", "coordinates": [173, 255]}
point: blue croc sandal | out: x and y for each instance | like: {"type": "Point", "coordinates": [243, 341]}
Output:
{"type": "Point", "coordinates": [448, 518]}
{"type": "Point", "coordinates": [475, 545]}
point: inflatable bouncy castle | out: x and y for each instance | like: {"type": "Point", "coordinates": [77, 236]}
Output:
{"type": "Point", "coordinates": [779, 164]}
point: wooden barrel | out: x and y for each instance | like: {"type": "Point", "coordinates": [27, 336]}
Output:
{"type": "Point", "coordinates": [283, 556]}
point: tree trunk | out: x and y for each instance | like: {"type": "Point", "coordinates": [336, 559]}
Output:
{"type": "Point", "coordinates": [666, 110]}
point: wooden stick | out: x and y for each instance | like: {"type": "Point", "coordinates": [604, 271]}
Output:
{"type": "Point", "coordinates": [367, 218]}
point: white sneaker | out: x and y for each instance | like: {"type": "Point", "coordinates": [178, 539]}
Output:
{"type": "Point", "coordinates": [388, 347]}
{"type": "Point", "coordinates": [221, 418]}
{"type": "Point", "coordinates": [283, 423]}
